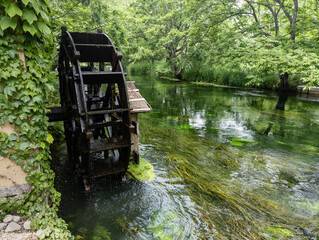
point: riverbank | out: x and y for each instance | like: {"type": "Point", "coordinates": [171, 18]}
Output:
{"type": "Point", "coordinates": [219, 76]}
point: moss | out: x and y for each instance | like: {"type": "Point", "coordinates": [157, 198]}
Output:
{"type": "Point", "coordinates": [144, 171]}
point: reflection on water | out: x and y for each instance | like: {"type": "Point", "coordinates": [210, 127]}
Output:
{"type": "Point", "coordinates": [230, 164]}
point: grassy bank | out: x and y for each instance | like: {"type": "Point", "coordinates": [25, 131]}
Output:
{"type": "Point", "coordinates": [196, 72]}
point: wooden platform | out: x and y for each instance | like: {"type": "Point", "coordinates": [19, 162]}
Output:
{"type": "Point", "coordinates": [138, 104]}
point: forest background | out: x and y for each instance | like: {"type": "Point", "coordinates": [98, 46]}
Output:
{"type": "Point", "coordinates": [260, 43]}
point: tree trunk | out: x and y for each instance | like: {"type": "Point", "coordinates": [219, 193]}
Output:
{"type": "Point", "coordinates": [284, 85]}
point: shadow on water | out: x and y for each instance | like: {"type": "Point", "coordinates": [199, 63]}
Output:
{"type": "Point", "coordinates": [230, 164]}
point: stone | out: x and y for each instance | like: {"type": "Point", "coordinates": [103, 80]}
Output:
{"type": "Point", "coordinates": [8, 218]}
{"type": "Point", "coordinates": [27, 225]}
{"type": "Point", "coordinates": [2, 226]}
{"type": "Point", "coordinates": [12, 227]}
{"type": "Point", "coordinates": [38, 233]}
{"type": "Point", "coordinates": [16, 218]}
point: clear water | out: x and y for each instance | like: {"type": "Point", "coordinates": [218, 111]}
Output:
{"type": "Point", "coordinates": [230, 164]}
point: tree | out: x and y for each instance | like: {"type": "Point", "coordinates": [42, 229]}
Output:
{"type": "Point", "coordinates": [88, 16]}
{"type": "Point", "coordinates": [159, 31]}
{"type": "Point", "coordinates": [260, 37]}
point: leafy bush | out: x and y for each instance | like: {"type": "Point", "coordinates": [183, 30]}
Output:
{"type": "Point", "coordinates": [162, 69]}
{"type": "Point", "coordinates": [141, 68]}
{"type": "Point", "coordinates": [156, 69]}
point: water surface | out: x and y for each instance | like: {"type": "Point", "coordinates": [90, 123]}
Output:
{"type": "Point", "coordinates": [230, 164]}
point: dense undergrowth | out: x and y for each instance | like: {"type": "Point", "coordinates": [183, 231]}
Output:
{"type": "Point", "coordinates": [197, 72]}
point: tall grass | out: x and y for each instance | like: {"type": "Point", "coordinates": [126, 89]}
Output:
{"type": "Point", "coordinates": [197, 72]}
{"type": "Point", "coordinates": [223, 76]}
{"type": "Point", "coordinates": [155, 69]}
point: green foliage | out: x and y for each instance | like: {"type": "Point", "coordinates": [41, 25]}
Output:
{"type": "Point", "coordinates": [198, 72]}
{"type": "Point", "coordinates": [88, 16]}
{"type": "Point", "coordinates": [249, 43]}
{"type": "Point", "coordinates": [24, 28]}
{"type": "Point", "coordinates": [141, 68]}
{"type": "Point", "coordinates": [156, 69]}
{"type": "Point", "coordinates": [157, 31]}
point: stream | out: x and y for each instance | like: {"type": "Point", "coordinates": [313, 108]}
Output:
{"type": "Point", "coordinates": [229, 163]}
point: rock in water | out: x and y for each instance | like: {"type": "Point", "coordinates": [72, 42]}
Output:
{"type": "Point", "coordinates": [8, 218]}
{"type": "Point", "coordinates": [12, 227]}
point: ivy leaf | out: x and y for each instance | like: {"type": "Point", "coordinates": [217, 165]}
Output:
{"type": "Point", "coordinates": [25, 2]}
{"type": "Point", "coordinates": [12, 53]}
{"type": "Point", "coordinates": [9, 90]}
{"type": "Point", "coordinates": [29, 16]}
{"type": "Point", "coordinates": [42, 145]}
{"type": "Point", "coordinates": [13, 10]}
{"type": "Point", "coordinates": [12, 137]}
{"type": "Point", "coordinates": [23, 146]}
{"type": "Point", "coordinates": [16, 104]}
{"type": "Point", "coordinates": [44, 16]}
{"type": "Point", "coordinates": [35, 5]}
{"type": "Point", "coordinates": [6, 22]}
{"type": "Point", "coordinates": [25, 99]}
{"type": "Point", "coordinates": [11, 118]}
{"type": "Point", "coordinates": [6, 3]}
{"type": "Point", "coordinates": [49, 138]}
{"type": "Point", "coordinates": [37, 99]}
{"type": "Point", "coordinates": [43, 28]}
{"type": "Point", "coordinates": [29, 28]}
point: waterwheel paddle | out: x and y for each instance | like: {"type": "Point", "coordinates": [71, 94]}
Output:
{"type": "Point", "coordinates": [95, 100]}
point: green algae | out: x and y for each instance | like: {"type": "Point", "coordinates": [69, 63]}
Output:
{"type": "Point", "coordinates": [278, 232]}
{"type": "Point", "coordinates": [237, 142]}
{"type": "Point", "coordinates": [144, 171]}
{"type": "Point", "coordinates": [184, 128]}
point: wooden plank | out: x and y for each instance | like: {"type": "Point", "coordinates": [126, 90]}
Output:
{"type": "Point", "coordinates": [104, 144]}
{"type": "Point", "coordinates": [101, 77]}
{"type": "Point", "coordinates": [108, 111]}
{"type": "Point", "coordinates": [57, 114]}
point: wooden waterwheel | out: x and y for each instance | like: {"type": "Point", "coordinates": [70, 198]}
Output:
{"type": "Point", "coordinates": [95, 103]}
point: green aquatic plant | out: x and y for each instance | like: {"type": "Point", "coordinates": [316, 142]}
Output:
{"type": "Point", "coordinates": [237, 142]}
{"type": "Point", "coordinates": [166, 225]}
{"type": "Point", "coordinates": [184, 127]}
{"type": "Point", "coordinates": [101, 233]}
{"type": "Point", "coordinates": [229, 207]}
{"type": "Point", "coordinates": [277, 232]}
{"type": "Point", "coordinates": [144, 171]}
